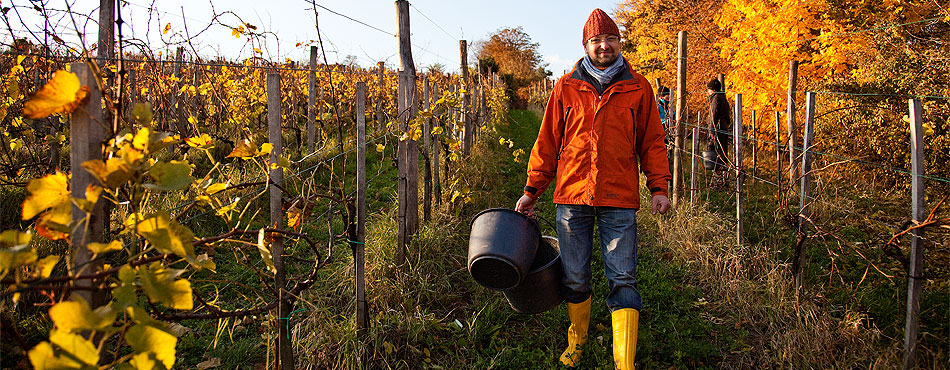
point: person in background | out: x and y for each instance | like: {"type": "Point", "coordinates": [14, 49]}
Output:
{"type": "Point", "coordinates": [601, 128]}
{"type": "Point", "coordinates": [663, 106]}
{"type": "Point", "coordinates": [720, 127]}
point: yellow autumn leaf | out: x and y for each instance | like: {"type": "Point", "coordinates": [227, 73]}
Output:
{"type": "Point", "coordinates": [244, 150]}
{"type": "Point", "coordinates": [62, 94]}
{"type": "Point", "coordinates": [74, 316]}
{"type": "Point", "coordinates": [168, 27]}
{"type": "Point", "coordinates": [437, 130]}
{"type": "Point", "coordinates": [47, 264]}
{"type": "Point", "coordinates": [46, 192]}
{"type": "Point", "coordinates": [201, 142]}
{"type": "Point", "coordinates": [167, 235]}
{"type": "Point", "coordinates": [145, 338]}
{"type": "Point", "coordinates": [380, 148]}
{"type": "Point", "coordinates": [215, 188]}
{"type": "Point", "coordinates": [99, 248]}
{"type": "Point", "coordinates": [160, 286]}
{"type": "Point", "coordinates": [71, 351]}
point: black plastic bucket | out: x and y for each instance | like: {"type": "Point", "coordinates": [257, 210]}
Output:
{"type": "Point", "coordinates": [711, 160]}
{"type": "Point", "coordinates": [541, 289]}
{"type": "Point", "coordinates": [501, 247]}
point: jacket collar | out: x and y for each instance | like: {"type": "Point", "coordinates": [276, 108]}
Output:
{"type": "Point", "coordinates": [625, 77]}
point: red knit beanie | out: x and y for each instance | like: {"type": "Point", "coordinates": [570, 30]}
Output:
{"type": "Point", "coordinates": [599, 23]}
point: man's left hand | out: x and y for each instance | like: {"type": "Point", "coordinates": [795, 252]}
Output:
{"type": "Point", "coordinates": [660, 204]}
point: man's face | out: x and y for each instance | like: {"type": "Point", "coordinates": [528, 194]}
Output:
{"type": "Point", "coordinates": [665, 96]}
{"type": "Point", "coordinates": [603, 50]}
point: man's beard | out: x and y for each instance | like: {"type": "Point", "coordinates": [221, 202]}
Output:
{"type": "Point", "coordinates": [606, 64]}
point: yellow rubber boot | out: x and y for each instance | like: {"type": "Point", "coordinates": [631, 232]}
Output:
{"type": "Point", "coordinates": [579, 313]}
{"type": "Point", "coordinates": [625, 323]}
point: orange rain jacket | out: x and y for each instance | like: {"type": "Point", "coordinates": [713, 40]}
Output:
{"type": "Point", "coordinates": [591, 142]}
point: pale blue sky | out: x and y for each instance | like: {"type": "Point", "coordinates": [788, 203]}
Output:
{"type": "Point", "coordinates": [555, 25]}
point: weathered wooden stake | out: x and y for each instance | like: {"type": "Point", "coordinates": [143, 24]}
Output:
{"type": "Point", "coordinates": [680, 127]}
{"type": "Point", "coordinates": [436, 148]}
{"type": "Point", "coordinates": [467, 132]}
{"type": "Point", "coordinates": [755, 145]}
{"type": "Point", "coordinates": [426, 150]}
{"type": "Point", "coordinates": [285, 354]}
{"type": "Point", "coordinates": [918, 211]}
{"type": "Point", "coordinates": [358, 245]}
{"type": "Point", "coordinates": [778, 156]}
{"type": "Point", "coordinates": [408, 149]}
{"type": "Point", "coordinates": [694, 171]}
{"type": "Point", "coordinates": [87, 134]}
{"type": "Point", "coordinates": [740, 173]}
{"type": "Point", "coordinates": [792, 130]}
{"type": "Point", "coordinates": [379, 97]}
{"type": "Point", "coordinates": [801, 256]}
{"type": "Point", "coordinates": [312, 101]}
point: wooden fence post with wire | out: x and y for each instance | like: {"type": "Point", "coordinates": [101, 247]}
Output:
{"type": "Point", "coordinates": [312, 100]}
{"type": "Point", "coordinates": [426, 153]}
{"type": "Point", "coordinates": [284, 351]}
{"type": "Point", "coordinates": [436, 149]}
{"type": "Point", "coordinates": [467, 131]}
{"type": "Point", "coordinates": [359, 244]}
{"type": "Point", "coordinates": [87, 134]}
{"type": "Point", "coordinates": [915, 271]}
{"type": "Point", "coordinates": [792, 130]}
{"type": "Point", "coordinates": [694, 172]}
{"type": "Point", "coordinates": [801, 255]}
{"type": "Point", "coordinates": [680, 111]}
{"type": "Point", "coordinates": [740, 173]}
{"type": "Point", "coordinates": [778, 156]}
{"type": "Point", "coordinates": [408, 149]}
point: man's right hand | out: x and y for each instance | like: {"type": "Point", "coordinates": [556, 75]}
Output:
{"type": "Point", "coordinates": [526, 205]}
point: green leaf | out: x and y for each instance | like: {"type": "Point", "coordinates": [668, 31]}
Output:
{"type": "Point", "coordinates": [152, 340]}
{"type": "Point", "coordinates": [73, 316]}
{"type": "Point", "coordinates": [142, 113]}
{"type": "Point", "coordinates": [64, 351]}
{"type": "Point", "coordinates": [160, 286]}
{"type": "Point", "coordinates": [174, 175]}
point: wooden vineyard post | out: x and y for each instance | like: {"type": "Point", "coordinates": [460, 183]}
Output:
{"type": "Point", "coordinates": [778, 155]}
{"type": "Point", "coordinates": [798, 265]}
{"type": "Point", "coordinates": [915, 272]}
{"type": "Point", "coordinates": [680, 127]}
{"type": "Point", "coordinates": [408, 149]}
{"type": "Point", "coordinates": [359, 245]}
{"type": "Point", "coordinates": [740, 173]}
{"type": "Point", "coordinates": [436, 148]}
{"type": "Point", "coordinates": [792, 130]}
{"type": "Point", "coordinates": [312, 101]}
{"type": "Point", "coordinates": [284, 354]}
{"type": "Point", "coordinates": [426, 153]}
{"type": "Point", "coordinates": [467, 131]}
{"type": "Point", "coordinates": [379, 96]}
{"type": "Point", "coordinates": [755, 145]}
{"type": "Point", "coordinates": [86, 136]}
{"type": "Point", "coordinates": [694, 168]}
{"type": "Point", "coordinates": [180, 121]}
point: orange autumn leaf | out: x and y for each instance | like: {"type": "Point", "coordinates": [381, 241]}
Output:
{"type": "Point", "coordinates": [62, 94]}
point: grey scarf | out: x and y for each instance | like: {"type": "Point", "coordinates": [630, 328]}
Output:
{"type": "Point", "coordinates": [603, 76]}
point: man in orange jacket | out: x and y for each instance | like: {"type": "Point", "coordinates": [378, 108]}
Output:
{"type": "Point", "coordinates": [600, 129]}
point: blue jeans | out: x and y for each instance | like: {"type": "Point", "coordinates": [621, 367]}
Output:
{"type": "Point", "coordinates": [618, 244]}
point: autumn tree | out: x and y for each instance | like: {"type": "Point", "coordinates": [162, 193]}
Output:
{"type": "Point", "coordinates": [516, 57]}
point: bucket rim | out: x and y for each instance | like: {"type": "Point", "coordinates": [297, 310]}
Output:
{"type": "Point", "coordinates": [532, 221]}
{"type": "Point", "coordinates": [556, 258]}
{"type": "Point", "coordinates": [513, 266]}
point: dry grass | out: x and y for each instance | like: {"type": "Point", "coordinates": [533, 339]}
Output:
{"type": "Point", "coordinates": [751, 288]}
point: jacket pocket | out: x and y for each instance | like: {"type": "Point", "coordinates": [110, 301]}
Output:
{"type": "Point", "coordinates": [567, 113]}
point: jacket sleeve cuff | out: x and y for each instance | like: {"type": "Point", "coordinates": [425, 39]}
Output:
{"type": "Point", "coordinates": [531, 191]}
{"type": "Point", "coordinates": [658, 191]}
